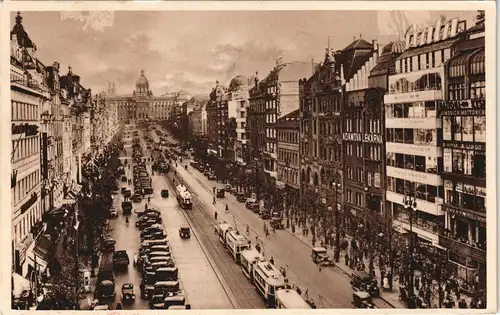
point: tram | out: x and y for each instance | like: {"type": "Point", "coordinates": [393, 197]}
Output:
{"type": "Point", "coordinates": [235, 243]}
{"type": "Point", "coordinates": [248, 258]}
{"type": "Point", "coordinates": [268, 279]}
{"type": "Point", "coordinates": [290, 299]}
{"type": "Point", "coordinates": [222, 229]}
{"type": "Point", "coordinates": [183, 197]}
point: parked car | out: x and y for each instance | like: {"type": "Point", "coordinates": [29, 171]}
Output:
{"type": "Point", "coordinates": [113, 212]}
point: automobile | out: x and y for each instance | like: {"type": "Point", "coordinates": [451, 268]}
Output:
{"type": "Point", "coordinates": [136, 197]}
{"type": "Point", "coordinates": [251, 203]}
{"type": "Point", "coordinates": [147, 223]}
{"type": "Point", "coordinates": [148, 190]}
{"type": "Point", "coordinates": [127, 193]}
{"type": "Point", "coordinates": [220, 192]}
{"type": "Point", "coordinates": [153, 236]}
{"type": "Point", "coordinates": [157, 301]}
{"type": "Point", "coordinates": [106, 290]}
{"type": "Point", "coordinates": [113, 212]}
{"type": "Point", "coordinates": [361, 299]}
{"type": "Point", "coordinates": [127, 207]}
{"type": "Point", "coordinates": [124, 189]}
{"type": "Point", "coordinates": [240, 197]}
{"type": "Point", "coordinates": [172, 300]}
{"type": "Point", "coordinates": [120, 259]}
{"type": "Point", "coordinates": [164, 193]}
{"type": "Point", "coordinates": [108, 244]}
{"type": "Point", "coordinates": [185, 232]}
{"type": "Point", "coordinates": [124, 178]}
{"type": "Point", "coordinates": [128, 292]}
{"type": "Point", "coordinates": [318, 254]}
{"type": "Point", "coordinates": [165, 287]}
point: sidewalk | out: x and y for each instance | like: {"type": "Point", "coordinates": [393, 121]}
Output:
{"type": "Point", "coordinates": [392, 298]}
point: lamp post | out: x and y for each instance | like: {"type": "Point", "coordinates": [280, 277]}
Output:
{"type": "Point", "coordinates": [336, 185]}
{"type": "Point", "coordinates": [410, 205]}
{"type": "Point", "coordinates": [286, 208]}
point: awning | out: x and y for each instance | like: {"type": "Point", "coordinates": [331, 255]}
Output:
{"type": "Point", "coordinates": [41, 253]}
{"type": "Point", "coordinates": [19, 284]}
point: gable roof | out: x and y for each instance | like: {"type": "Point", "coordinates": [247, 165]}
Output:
{"type": "Point", "coordinates": [359, 44]}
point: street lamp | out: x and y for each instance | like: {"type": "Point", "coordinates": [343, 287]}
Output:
{"type": "Point", "coordinates": [410, 205]}
{"type": "Point", "coordinates": [335, 187]}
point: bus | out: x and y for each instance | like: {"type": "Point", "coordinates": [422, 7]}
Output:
{"type": "Point", "coordinates": [290, 299]}
{"type": "Point", "coordinates": [268, 279]}
{"type": "Point", "coordinates": [248, 258]}
{"type": "Point", "coordinates": [222, 229]}
{"type": "Point", "coordinates": [183, 197]}
{"type": "Point", "coordinates": [235, 243]}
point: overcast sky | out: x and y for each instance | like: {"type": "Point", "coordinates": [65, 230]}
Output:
{"type": "Point", "coordinates": [191, 50]}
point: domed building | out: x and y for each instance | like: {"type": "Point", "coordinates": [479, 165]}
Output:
{"type": "Point", "coordinates": [142, 105]}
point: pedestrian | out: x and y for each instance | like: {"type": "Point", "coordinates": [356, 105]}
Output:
{"type": "Point", "coordinates": [346, 259]}
{"type": "Point", "coordinates": [298, 290]}
{"type": "Point", "coordinates": [271, 260]}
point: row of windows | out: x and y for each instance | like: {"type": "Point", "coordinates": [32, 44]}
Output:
{"type": "Point", "coordinates": [464, 128]}
{"type": "Point", "coordinates": [355, 198]}
{"type": "Point", "coordinates": [271, 104]}
{"type": "Point", "coordinates": [324, 104]}
{"type": "Point", "coordinates": [24, 111]}
{"type": "Point", "coordinates": [465, 196]}
{"type": "Point", "coordinates": [25, 186]}
{"type": "Point", "coordinates": [23, 227]}
{"type": "Point", "coordinates": [425, 164]}
{"type": "Point", "coordinates": [330, 154]}
{"type": "Point", "coordinates": [465, 162]}
{"type": "Point", "coordinates": [25, 147]}
{"type": "Point", "coordinates": [288, 136]}
{"type": "Point", "coordinates": [327, 128]}
{"type": "Point", "coordinates": [288, 176]}
{"type": "Point", "coordinates": [288, 156]}
{"type": "Point", "coordinates": [411, 110]}
{"type": "Point", "coordinates": [423, 61]}
{"type": "Point", "coordinates": [372, 151]}
{"type": "Point", "coordinates": [270, 133]}
{"type": "Point", "coordinates": [356, 125]}
{"type": "Point", "coordinates": [457, 91]}
{"type": "Point", "coordinates": [421, 191]}
{"type": "Point", "coordinates": [414, 136]}
{"type": "Point", "coordinates": [270, 118]}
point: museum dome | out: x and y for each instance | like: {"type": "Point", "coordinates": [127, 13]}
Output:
{"type": "Point", "coordinates": [142, 81]}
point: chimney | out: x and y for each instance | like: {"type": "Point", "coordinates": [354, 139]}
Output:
{"type": "Point", "coordinates": [342, 79]}
{"type": "Point", "coordinates": [375, 44]}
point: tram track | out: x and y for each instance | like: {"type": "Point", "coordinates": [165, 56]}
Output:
{"type": "Point", "coordinates": [309, 282]}
{"type": "Point", "coordinates": [235, 281]}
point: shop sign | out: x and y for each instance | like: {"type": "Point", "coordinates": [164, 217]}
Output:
{"type": "Point", "coordinates": [420, 177]}
{"type": "Point", "coordinates": [358, 137]}
{"type": "Point", "coordinates": [22, 248]}
{"type": "Point", "coordinates": [463, 112]}
{"type": "Point", "coordinates": [462, 104]}
{"type": "Point", "coordinates": [464, 213]}
{"type": "Point", "coordinates": [352, 136]}
{"type": "Point", "coordinates": [27, 129]}
{"type": "Point", "coordinates": [465, 146]}
{"type": "Point", "coordinates": [372, 138]}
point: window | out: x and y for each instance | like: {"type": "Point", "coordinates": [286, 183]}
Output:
{"type": "Point", "coordinates": [478, 90]}
{"type": "Point", "coordinates": [419, 63]}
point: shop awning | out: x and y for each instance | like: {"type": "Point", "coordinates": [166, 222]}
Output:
{"type": "Point", "coordinates": [19, 284]}
{"type": "Point", "coordinates": [75, 189]}
{"type": "Point", "coordinates": [41, 252]}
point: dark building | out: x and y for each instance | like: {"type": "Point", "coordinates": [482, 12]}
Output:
{"type": "Point", "coordinates": [464, 157]}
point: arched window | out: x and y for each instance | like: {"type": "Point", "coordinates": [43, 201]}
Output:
{"type": "Point", "coordinates": [308, 175]}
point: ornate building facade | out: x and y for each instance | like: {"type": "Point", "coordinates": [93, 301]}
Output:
{"type": "Point", "coordinates": [141, 105]}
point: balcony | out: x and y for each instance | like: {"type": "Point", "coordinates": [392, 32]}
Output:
{"type": "Point", "coordinates": [421, 123]}
{"type": "Point", "coordinates": [422, 205]}
{"type": "Point", "coordinates": [424, 229]}
{"type": "Point", "coordinates": [462, 249]}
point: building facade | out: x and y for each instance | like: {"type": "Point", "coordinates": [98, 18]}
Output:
{"type": "Point", "coordinates": [237, 105]}
{"type": "Point", "coordinates": [29, 96]}
{"type": "Point", "coordinates": [275, 96]}
{"type": "Point", "coordinates": [141, 105]}
{"type": "Point", "coordinates": [363, 150]}
{"type": "Point", "coordinates": [288, 168]}
{"type": "Point", "coordinates": [413, 130]}
{"type": "Point", "coordinates": [462, 114]}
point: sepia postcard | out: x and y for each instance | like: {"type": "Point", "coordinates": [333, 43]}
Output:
{"type": "Point", "coordinates": [248, 156]}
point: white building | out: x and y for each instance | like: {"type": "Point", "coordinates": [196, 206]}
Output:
{"type": "Point", "coordinates": [237, 107]}
{"type": "Point", "coordinates": [413, 130]}
{"type": "Point", "coordinates": [29, 94]}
